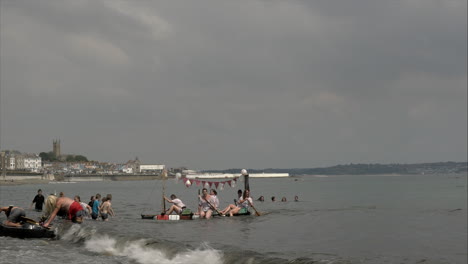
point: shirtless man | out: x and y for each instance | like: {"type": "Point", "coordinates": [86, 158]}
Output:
{"type": "Point", "coordinates": [14, 215]}
{"type": "Point", "coordinates": [106, 209]}
{"type": "Point", "coordinates": [65, 206]}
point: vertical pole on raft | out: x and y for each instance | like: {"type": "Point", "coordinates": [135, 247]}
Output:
{"type": "Point", "coordinates": [163, 204]}
{"type": "Point", "coordinates": [246, 182]}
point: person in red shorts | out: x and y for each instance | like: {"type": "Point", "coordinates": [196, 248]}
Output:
{"type": "Point", "coordinates": [68, 208]}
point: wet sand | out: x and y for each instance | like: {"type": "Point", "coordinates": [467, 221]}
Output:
{"type": "Point", "coordinates": [22, 182]}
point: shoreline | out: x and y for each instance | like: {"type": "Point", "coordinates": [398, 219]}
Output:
{"type": "Point", "coordinates": [23, 182]}
{"type": "Point", "coordinates": [11, 182]}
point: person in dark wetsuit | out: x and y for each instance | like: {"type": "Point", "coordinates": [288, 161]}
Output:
{"type": "Point", "coordinates": [14, 215]}
{"type": "Point", "coordinates": [91, 201]}
{"type": "Point", "coordinates": [38, 200]}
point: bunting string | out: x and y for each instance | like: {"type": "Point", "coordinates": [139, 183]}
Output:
{"type": "Point", "coordinates": [208, 184]}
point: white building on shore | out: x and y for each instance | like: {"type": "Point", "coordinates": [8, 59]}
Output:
{"type": "Point", "coordinates": [151, 168]}
{"type": "Point", "coordinates": [15, 160]}
{"type": "Point", "coordinates": [31, 162]}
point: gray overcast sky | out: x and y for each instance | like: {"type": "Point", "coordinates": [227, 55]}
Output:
{"type": "Point", "coordinates": [236, 84]}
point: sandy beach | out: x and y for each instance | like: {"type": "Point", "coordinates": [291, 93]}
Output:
{"type": "Point", "coordinates": [22, 182]}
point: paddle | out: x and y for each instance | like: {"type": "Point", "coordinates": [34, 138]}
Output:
{"type": "Point", "coordinates": [256, 212]}
{"type": "Point", "coordinates": [29, 220]}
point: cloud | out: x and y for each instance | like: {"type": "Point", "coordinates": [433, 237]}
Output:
{"type": "Point", "coordinates": [220, 84]}
{"type": "Point", "coordinates": [154, 23]}
{"type": "Point", "coordinates": [100, 50]}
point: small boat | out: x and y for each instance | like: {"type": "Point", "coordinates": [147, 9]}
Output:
{"type": "Point", "coordinates": [190, 216]}
{"type": "Point", "coordinates": [148, 216]}
{"type": "Point", "coordinates": [241, 212]}
{"type": "Point", "coordinates": [186, 215]}
{"type": "Point", "coordinates": [167, 217]}
{"type": "Point", "coordinates": [27, 230]}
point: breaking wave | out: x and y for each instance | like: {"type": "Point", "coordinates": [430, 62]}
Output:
{"type": "Point", "coordinates": [143, 252]}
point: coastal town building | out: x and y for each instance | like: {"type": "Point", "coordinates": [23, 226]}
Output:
{"type": "Point", "coordinates": [30, 162]}
{"type": "Point", "coordinates": [9, 159]}
{"type": "Point", "coordinates": [15, 160]}
{"type": "Point", "coordinates": [11, 162]}
{"type": "Point", "coordinates": [132, 166]}
{"type": "Point", "coordinates": [154, 169]}
{"type": "Point", "coordinates": [56, 148]}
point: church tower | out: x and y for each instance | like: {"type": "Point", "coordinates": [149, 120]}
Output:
{"type": "Point", "coordinates": [56, 148]}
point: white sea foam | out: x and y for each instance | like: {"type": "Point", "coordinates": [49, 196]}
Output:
{"type": "Point", "coordinates": [138, 251]}
{"type": "Point", "coordinates": [77, 232]}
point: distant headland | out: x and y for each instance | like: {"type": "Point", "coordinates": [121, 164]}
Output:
{"type": "Point", "coordinates": [370, 169]}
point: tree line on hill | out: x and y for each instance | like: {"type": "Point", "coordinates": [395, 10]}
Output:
{"type": "Point", "coordinates": [50, 156]}
{"type": "Point", "coordinates": [368, 169]}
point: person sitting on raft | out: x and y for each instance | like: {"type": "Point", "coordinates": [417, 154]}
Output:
{"type": "Point", "coordinates": [232, 206]}
{"type": "Point", "coordinates": [243, 202]}
{"type": "Point", "coordinates": [178, 206]}
{"type": "Point", "coordinates": [239, 196]}
{"type": "Point", "coordinates": [67, 207]}
{"type": "Point", "coordinates": [14, 215]}
{"type": "Point", "coordinates": [206, 205]}
{"type": "Point", "coordinates": [214, 194]}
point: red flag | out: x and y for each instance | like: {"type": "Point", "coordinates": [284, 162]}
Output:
{"type": "Point", "coordinates": [216, 185]}
{"type": "Point", "coordinates": [197, 182]}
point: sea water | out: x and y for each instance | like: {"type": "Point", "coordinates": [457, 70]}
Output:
{"type": "Point", "coordinates": [338, 219]}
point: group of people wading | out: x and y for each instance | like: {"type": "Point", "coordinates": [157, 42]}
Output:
{"type": "Point", "coordinates": [65, 207]}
